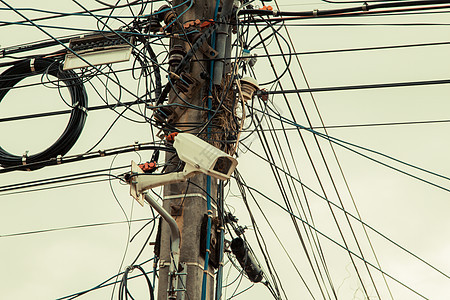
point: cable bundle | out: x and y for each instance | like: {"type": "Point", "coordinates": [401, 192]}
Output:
{"type": "Point", "coordinates": [34, 66]}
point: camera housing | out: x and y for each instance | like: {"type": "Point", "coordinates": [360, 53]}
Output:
{"type": "Point", "coordinates": [198, 156]}
{"type": "Point", "coordinates": [204, 157]}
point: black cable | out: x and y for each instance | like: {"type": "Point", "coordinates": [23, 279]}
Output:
{"type": "Point", "coordinates": [308, 152]}
{"type": "Point", "coordinates": [71, 227]}
{"type": "Point", "coordinates": [359, 87]}
{"type": "Point", "coordinates": [356, 218]}
{"type": "Point", "coordinates": [364, 8]}
{"type": "Point", "coordinates": [284, 194]}
{"type": "Point", "coordinates": [382, 13]}
{"type": "Point", "coordinates": [148, 237]}
{"type": "Point", "coordinates": [84, 156]}
{"type": "Point", "coordinates": [123, 288]}
{"type": "Point", "coordinates": [57, 187]}
{"type": "Point", "coordinates": [335, 242]}
{"type": "Point", "coordinates": [326, 164]}
{"type": "Point", "coordinates": [275, 34]}
{"type": "Point", "coordinates": [35, 66]}
{"type": "Point", "coordinates": [104, 283]}
{"type": "Point", "coordinates": [155, 66]}
{"type": "Point", "coordinates": [57, 179]}
{"type": "Point", "coordinates": [116, 6]}
{"type": "Point", "coordinates": [358, 2]}
{"type": "Point", "coordinates": [59, 15]}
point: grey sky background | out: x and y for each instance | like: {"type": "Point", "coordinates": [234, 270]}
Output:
{"type": "Point", "coordinates": [412, 213]}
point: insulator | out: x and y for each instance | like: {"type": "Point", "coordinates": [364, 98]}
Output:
{"type": "Point", "coordinates": [187, 84]}
{"type": "Point", "coordinates": [165, 13]}
{"type": "Point", "coordinates": [161, 12]}
{"type": "Point", "coordinates": [249, 86]}
{"type": "Point", "coordinates": [153, 24]}
{"type": "Point", "coordinates": [169, 17]}
{"type": "Point", "coordinates": [176, 54]}
{"type": "Point", "coordinates": [162, 114]}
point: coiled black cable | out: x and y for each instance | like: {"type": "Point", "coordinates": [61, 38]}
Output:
{"type": "Point", "coordinates": [35, 66]}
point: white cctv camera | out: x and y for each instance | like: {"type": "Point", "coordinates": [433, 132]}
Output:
{"type": "Point", "coordinates": [198, 156]}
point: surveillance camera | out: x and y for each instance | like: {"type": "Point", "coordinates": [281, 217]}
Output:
{"type": "Point", "coordinates": [198, 156]}
{"type": "Point", "coordinates": [204, 157]}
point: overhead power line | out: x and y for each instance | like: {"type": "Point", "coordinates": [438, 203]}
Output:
{"type": "Point", "coordinates": [166, 100]}
{"type": "Point", "coordinates": [26, 233]}
{"type": "Point", "coordinates": [59, 179]}
{"type": "Point", "coordinates": [359, 87]}
{"type": "Point", "coordinates": [89, 155]}
{"type": "Point", "coordinates": [366, 8]}
{"type": "Point", "coordinates": [59, 15]}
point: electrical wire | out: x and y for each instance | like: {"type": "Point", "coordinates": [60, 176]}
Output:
{"type": "Point", "coordinates": [26, 233]}
{"type": "Point", "coordinates": [89, 155]}
{"type": "Point", "coordinates": [104, 283]}
{"type": "Point", "coordinates": [341, 246]}
{"type": "Point", "coordinates": [349, 214]}
{"type": "Point", "coordinates": [262, 117]}
{"type": "Point", "coordinates": [57, 179]}
{"type": "Point", "coordinates": [35, 66]}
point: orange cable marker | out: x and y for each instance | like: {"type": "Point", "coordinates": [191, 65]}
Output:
{"type": "Point", "coordinates": [171, 137]}
{"type": "Point", "coordinates": [207, 23]}
{"type": "Point", "coordinates": [148, 166]}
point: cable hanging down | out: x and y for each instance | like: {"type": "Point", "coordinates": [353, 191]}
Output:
{"type": "Point", "coordinates": [36, 66]}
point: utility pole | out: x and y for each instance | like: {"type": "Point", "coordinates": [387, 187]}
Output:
{"type": "Point", "coordinates": [188, 202]}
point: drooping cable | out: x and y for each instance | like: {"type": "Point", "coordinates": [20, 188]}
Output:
{"type": "Point", "coordinates": [37, 66]}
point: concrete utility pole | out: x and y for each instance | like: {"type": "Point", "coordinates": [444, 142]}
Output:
{"type": "Point", "coordinates": [187, 203]}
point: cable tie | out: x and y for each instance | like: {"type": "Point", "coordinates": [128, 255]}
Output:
{"type": "Point", "coordinates": [136, 146]}
{"type": "Point", "coordinates": [83, 109]}
{"type": "Point", "coordinates": [365, 7]}
{"type": "Point", "coordinates": [209, 212]}
{"type": "Point", "coordinates": [315, 12]}
{"type": "Point", "coordinates": [208, 250]}
{"type": "Point", "coordinates": [129, 268]}
{"type": "Point", "coordinates": [59, 159]}
{"type": "Point", "coordinates": [24, 158]}
{"type": "Point", "coordinates": [32, 65]}
{"type": "Point", "coordinates": [78, 105]}
{"type": "Point", "coordinates": [163, 264]}
{"type": "Point", "coordinates": [102, 152]}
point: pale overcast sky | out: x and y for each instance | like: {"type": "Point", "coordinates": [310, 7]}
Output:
{"type": "Point", "coordinates": [412, 213]}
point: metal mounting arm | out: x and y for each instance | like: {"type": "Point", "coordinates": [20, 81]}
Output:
{"type": "Point", "coordinates": [174, 231]}
{"type": "Point", "coordinates": [140, 182]}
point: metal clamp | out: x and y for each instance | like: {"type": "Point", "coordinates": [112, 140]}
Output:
{"type": "Point", "coordinates": [365, 7]}
{"type": "Point", "coordinates": [24, 160]}
{"type": "Point", "coordinates": [32, 65]}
